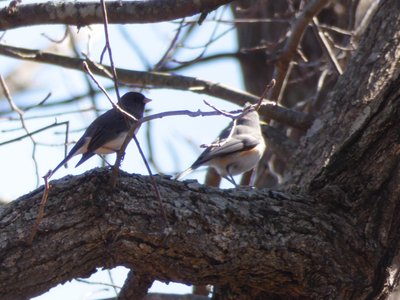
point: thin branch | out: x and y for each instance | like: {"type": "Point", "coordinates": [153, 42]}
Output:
{"type": "Point", "coordinates": [243, 21]}
{"type": "Point", "coordinates": [223, 55]}
{"type": "Point", "coordinates": [91, 91]}
{"type": "Point", "coordinates": [112, 282]}
{"type": "Point", "coordinates": [170, 49]}
{"type": "Point", "coordinates": [223, 142]}
{"type": "Point", "coordinates": [268, 87]}
{"type": "Point", "coordinates": [165, 80]}
{"type": "Point", "coordinates": [108, 47]}
{"type": "Point", "coordinates": [20, 113]}
{"type": "Point", "coordinates": [297, 30]}
{"type": "Point", "coordinates": [35, 117]}
{"type": "Point", "coordinates": [59, 41]}
{"type": "Point", "coordinates": [213, 37]}
{"type": "Point", "coordinates": [97, 283]}
{"type": "Point", "coordinates": [325, 45]}
{"type": "Point", "coordinates": [365, 21]}
{"type": "Point", "coordinates": [285, 82]}
{"type": "Point", "coordinates": [114, 105]}
{"type": "Point", "coordinates": [220, 111]}
{"type": "Point", "coordinates": [150, 150]}
{"type": "Point", "coordinates": [29, 134]}
{"type": "Point", "coordinates": [39, 216]}
{"type": "Point", "coordinates": [54, 103]}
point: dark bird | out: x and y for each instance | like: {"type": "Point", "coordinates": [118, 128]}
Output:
{"type": "Point", "coordinates": [234, 152]}
{"type": "Point", "coordinates": [107, 133]}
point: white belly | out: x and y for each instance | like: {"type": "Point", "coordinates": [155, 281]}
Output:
{"type": "Point", "coordinates": [113, 145]}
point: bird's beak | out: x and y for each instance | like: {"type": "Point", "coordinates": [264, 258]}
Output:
{"type": "Point", "coordinates": [147, 100]}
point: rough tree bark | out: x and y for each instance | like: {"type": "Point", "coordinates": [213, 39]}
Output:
{"type": "Point", "coordinates": [86, 13]}
{"type": "Point", "coordinates": [244, 238]}
{"type": "Point", "coordinates": [334, 235]}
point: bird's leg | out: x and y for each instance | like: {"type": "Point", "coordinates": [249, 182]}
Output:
{"type": "Point", "coordinates": [231, 180]}
{"type": "Point", "coordinates": [104, 159]}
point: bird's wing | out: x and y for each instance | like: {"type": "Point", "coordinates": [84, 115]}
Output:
{"type": "Point", "coordinates": [102, 132]}
{"type": "Point", "coordinates": [232, 145]}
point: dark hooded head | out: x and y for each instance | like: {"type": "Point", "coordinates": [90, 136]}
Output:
{"type": "Point", "coordinates": [134, 103]}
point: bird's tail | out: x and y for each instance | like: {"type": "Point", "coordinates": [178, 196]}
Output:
{"type": "Point", "coordinates": [184, 173]}
{"type": "Point", "coordinates": [63, 162]}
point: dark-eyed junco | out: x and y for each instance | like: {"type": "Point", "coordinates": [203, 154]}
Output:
{"type": "Point", "coordinates": [233, 153]}
{"type": "Point", "coordinates": [107, 133]}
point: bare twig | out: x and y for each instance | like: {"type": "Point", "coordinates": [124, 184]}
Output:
{"type": "Point", "coordinates": [20, 113]}
{"type": "Point", "coordinates": [284, 82]}
{"type": "Point", "coordinates": [91, 91]}
{"type": "Point", "coordinates": [234, 118]}
{"type": "Point", "coordinates": [171, 47]}
{"type": "Point", "coordinates": [114, 105]}
{"type": "Point", "coordinates": [39, 217]}
{"type": "Point", "coordinates": [33, 133]}
{"type": "Point", "coordinates": [192, 114]}
{"type": "Point", "coordinates": [221, 112]}
{"type": "Point", "coordinates": [98, 283]}
{"type": "Point", "coordinates": [264, 94]}
{"type": "Point", "coordinates": [43, 116]}
{"type": "Point", "coordinates": [365, 21]}
{"type": "Point", "coordinates": [150, 150]}
{"type": "Point", "coordinates": [108, 46]}
{"type": "Point", "coordinates": [325, 45]}
{"type": "Point", "coordinates": [200, 57]}
{"type": "Point", "coordinates": [213, 37]}
{"type": "Point", "coordinates": [223, 142]}
{"type": "Point", "coordinates": [59, 41]}
{"type": "Point", "coordinates": [297, 30]}
{"type": "Point", "coordinates": [112, 282]}
{"type": "Point", "coordinates": [234, 122]}
{"type": "Point", "coordinates": [39, 104]}
{"type": "Point", "coordinates": [163, 80]}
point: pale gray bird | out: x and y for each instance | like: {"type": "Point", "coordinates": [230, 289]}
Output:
{"type": "Point", "coordinates": [107, 133]}
{"type": "Point", "coordinates": [236, 153]}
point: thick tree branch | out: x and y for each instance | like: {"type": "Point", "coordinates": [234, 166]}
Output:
{"type": "Point", "coordinates": [119, 12]}
{"type": "Point", "coordinates": [135, 286]}
{"type": "Point", "coordinates": [165, 80]}
{"type": "Point", "coordinates": [261, 239]}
